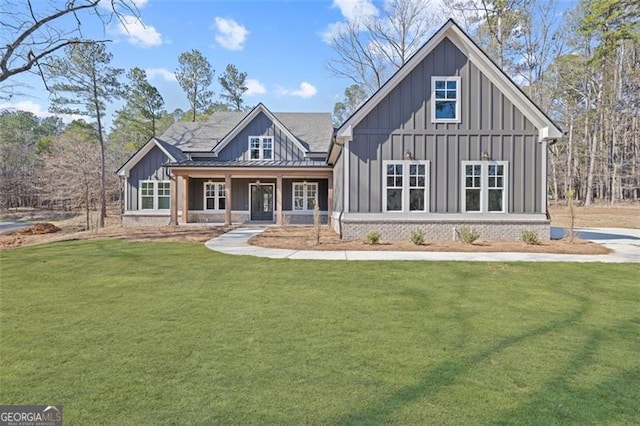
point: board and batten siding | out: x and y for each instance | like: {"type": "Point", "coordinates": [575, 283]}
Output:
{"type": "Point", "coordinates": [149, 168]}
{"type": "Point", "coordinates": [490, 123]}
{"type": "Point", "coordinates": [261, 125]}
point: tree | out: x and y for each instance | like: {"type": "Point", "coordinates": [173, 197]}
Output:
{"type": "Point", "coordinates": [497, 27]}
{"type": "Point", "coordinates": [195, 75]}
{"type": "Point", "coordinates": [70, 173]}
{"type": "Point", "coordinates": [354, 96]}
{"type": "Point", "coordinates": [369, 50]}
{"type": "Point", "coordinates": [23, 138]}
{"type": "Point", "coordinates": [31, 32]}
{"type": "Point", "coordinates": [144, 104]}
{"type": "Point", "coordinates": [84, 83]}
{"type": "Point", "coordinates": [233, 85]}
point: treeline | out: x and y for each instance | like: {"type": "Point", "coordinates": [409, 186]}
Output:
{"type": "Point", "coordinates": [46, 163]}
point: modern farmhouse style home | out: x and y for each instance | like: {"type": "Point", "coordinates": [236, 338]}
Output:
{"type": "Point", "coordinates": [448, 141]}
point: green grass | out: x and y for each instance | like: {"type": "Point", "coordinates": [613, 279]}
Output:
{"type": "Point", "coordinates": [172, 333]}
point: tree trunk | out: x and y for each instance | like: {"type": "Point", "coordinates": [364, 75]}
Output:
{"type": "Point", "coordinates": [103, 183]}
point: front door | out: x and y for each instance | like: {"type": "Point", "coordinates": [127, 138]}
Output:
{"type": "Point", "coordinates": [262, 202]}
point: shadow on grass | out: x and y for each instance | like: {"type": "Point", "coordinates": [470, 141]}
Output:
{"type": "Point", "coordinates": [559, 401]}
{"type": "Point", "coordinates": [449, 371]}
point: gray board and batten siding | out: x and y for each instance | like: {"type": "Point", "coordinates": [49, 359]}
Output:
{"type": "Point", "coordinates": [261, 125]}
{"type": "Point", "coordinates": [490, 123]}
{"type": "Point", "coordinates": [240, 192]}
{"type": "Point", "coordinates": [148, 168]}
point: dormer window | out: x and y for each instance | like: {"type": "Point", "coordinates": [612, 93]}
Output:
{"type": "Point", "coordinates": [261, 147]}
{"type": "Point", "coordinates": [445, 99]}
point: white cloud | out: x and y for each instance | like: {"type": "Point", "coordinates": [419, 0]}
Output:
{"type": "Point", "coordinates": [138, 33]}
{"type": "Point", "coordinates": [356, 10]}
{"type": "Point", "coordinates": [306, 90]}
{"type": "Point", "coordinates": [254, 87]}
{"type": "Point", "coordinates": [231, 35]}
{"type": "Point", "coordinates": [332, 31]}
{"type": "Point", "coordinates": [37, 110]}
{"type": "Point", "coordinates": [163, 73]}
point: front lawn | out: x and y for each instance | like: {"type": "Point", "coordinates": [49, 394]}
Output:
{"type": "Point", "coordinates": [171, 333]}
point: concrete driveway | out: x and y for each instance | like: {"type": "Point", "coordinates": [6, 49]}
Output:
{"type": "Point", "coordinates": [625, 244]}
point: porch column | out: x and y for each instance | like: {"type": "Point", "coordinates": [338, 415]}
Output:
{"type": "Point", "coordinates": [330, 200]}
{"type": "Point", "coordinates": [185, 200]}
{"type": "Point", "coordinates": [279, 200]}
{"type": "Point", "coordinates": [173, 191]}
{"type": "Point", "coordinates": [227, 205]}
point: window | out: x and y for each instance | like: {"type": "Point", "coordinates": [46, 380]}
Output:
{"type": "Point", "coordinates": [215, 196]}
{"type": "Point", "coordinates": [155, 195]}
{"type": "Point", "coordinates": [484, 186]}
{"type": "Point", "coordinates": [445, 99]}
{"type": "Point", "coordinates": [261, 147]}
{"type": "Point", "coordinates": [405, 186]}
{"type": "Point", "coordinates": [305, 195]}
{"type": "Point", "coordinates": [164, 198]}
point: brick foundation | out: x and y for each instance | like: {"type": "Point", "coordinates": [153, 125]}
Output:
{"type": "Point", "coordinates": [443, 230]}
{"type": "Point", "coordinates": [303, 219]}
{"type": "Point", "coordinates": [145, 220]}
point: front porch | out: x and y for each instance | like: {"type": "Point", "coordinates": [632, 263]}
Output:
{"type": "Point", "coordinates": [240, 196]}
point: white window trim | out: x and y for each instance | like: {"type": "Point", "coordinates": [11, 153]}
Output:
{"type": "Point", "coordinates": [305, 196]}
{"type": "Point", "coordinates": [458, 118]}
{"type": "Point", "coordinates": [261, 147]}
{"type": "Point", "coordinates": [484, 186]}
{"type": "Point", "coordinates": [156, 195]}
{"type": "Point", "coordinates": [216, 197]}
{"type": "Point", "coordinates": [406, 199]}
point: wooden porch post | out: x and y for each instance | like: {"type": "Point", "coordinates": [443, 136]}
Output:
{"type": "Point", "coordinates": [185, 200]}
{"type": "Point", "coordinates": [279, 200]}
{"type": "Point", "coordinates": [173, 191]}
{"type": "Point", "coordinates": [227, 206]}
{"type": "Point", "coordinates": [330, 200]}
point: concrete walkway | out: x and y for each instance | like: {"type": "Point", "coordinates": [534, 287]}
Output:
{"type": "Point", "coordinates": [625, 244]}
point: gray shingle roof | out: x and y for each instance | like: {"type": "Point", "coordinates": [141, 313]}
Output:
{"type": "Point", "coordinates": [312, 129]}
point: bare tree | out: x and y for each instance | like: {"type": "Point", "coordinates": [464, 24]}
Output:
{"type": "Point", "coordinates": [70, 173]}
{"type": "Point", "coordinates": [31, 31]}
{"type": "Point", "coordinates": [369, 50]}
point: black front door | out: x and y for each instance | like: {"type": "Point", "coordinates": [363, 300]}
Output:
{"type": "Point", "coordinates": [262, 202]}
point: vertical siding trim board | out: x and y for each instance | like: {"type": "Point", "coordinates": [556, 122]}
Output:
{"type": "Point", "coordinates": [346, 160]}
{"type": "Point", "coordinates": [543, 178]}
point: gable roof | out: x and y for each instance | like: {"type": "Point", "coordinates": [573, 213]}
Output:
{"type": "Point", "coordinates": [452, 31]}
{"type": "Point", "coordinates": [311, 131]}
{"type": "Point", "coordinates": [260, 108]}
{"type": "Point", "coordinates": [174, 154]}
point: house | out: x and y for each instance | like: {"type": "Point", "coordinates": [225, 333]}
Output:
{"type": "Point", "coordinates": [448, 141]}
{"type": "Point", "coordinates": [254, 166]}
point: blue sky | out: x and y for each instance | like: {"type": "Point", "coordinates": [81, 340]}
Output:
{"type": "Point", "coordinates": [279, 43]}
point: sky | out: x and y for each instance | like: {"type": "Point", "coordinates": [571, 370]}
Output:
{"type": "Point", "coordinates": [280, 44]}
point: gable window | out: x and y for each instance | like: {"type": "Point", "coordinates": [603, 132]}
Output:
{"type": "Point", "coordinates": [155, 195]}
{"type": "Point", "coordinates": [215, 196]}
{"type": "Point", "coordinates": [484, 186]}
{"type": "Point", "coordinates": [305, 195]}
{"type": "Point", "coordinates": [405, 186]}
{"type": "Point", "coordinates": [445, 99]}
{"type": "Point", "coordinates": [261, 147]}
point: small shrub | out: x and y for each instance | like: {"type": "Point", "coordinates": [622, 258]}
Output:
{"type": "Point", "coordinates": [530, 237]}
{"type": "Point", "coordinates": [417, 237]}
{"type": "Point", "coordinates": [468, 235]}
{"type": "Point", "coordinates": [373, 237]}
